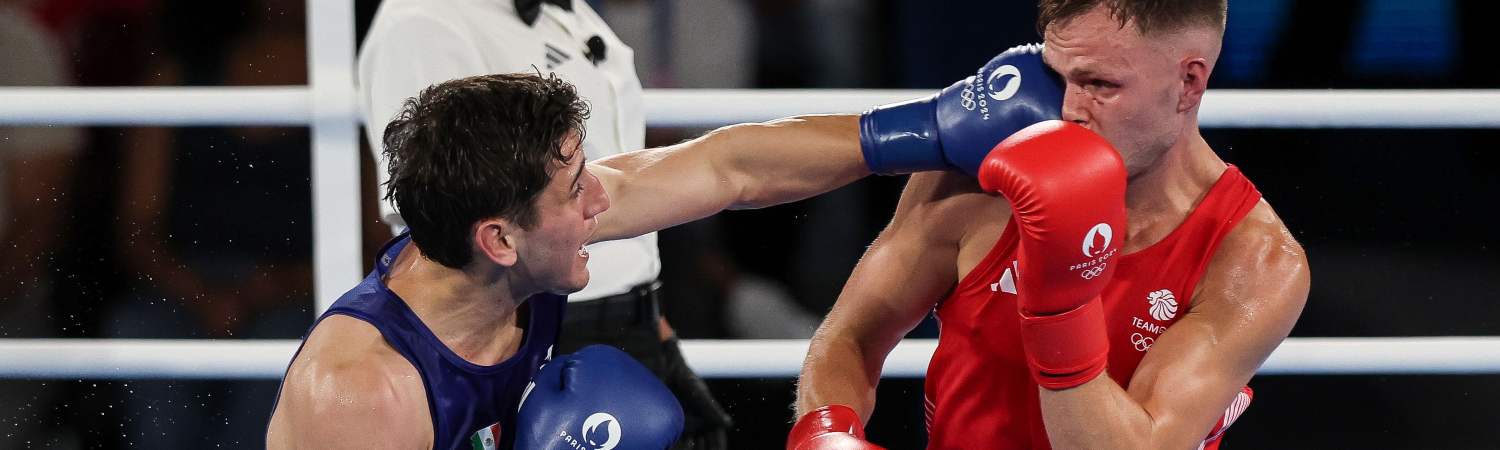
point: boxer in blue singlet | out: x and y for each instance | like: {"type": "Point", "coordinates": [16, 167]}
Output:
{"type": "Point", "coordinates": [435, 348]}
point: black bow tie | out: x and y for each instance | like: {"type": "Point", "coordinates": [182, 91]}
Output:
{"type": "Point", "coordinates": [529, 9]}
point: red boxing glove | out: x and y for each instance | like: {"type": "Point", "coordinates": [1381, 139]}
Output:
{"type": "Point", "coordinates": [832, 427]}
{"type": "Point", "coordinates": [1066, 186]}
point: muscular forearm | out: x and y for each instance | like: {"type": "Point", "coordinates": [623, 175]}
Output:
{"type": "Point", "coordinates": [736, 167]}
{"type": "Point", "coordinates": [1100, 415]}
{"type": "Point", "coordinates": [837, 372]}
{"type": "Point", "coordinates": [789, 159]}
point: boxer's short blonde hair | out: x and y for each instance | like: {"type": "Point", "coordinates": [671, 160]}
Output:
{"type": "Point", "coordinates": [1150, 17]}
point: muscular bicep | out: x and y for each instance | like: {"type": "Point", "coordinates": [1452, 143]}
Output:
{"type": "Point", "coordinates": [909, 267]}
{"type": "Point", "coordinates": [1245, 307]}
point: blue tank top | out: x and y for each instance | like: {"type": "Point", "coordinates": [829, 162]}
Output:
{"type": "Point", "coordinates": [472, 406]}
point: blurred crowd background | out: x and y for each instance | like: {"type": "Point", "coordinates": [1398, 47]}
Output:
{"type": "Point", "coordinates": [205, 232]}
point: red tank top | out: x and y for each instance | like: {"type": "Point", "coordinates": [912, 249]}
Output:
{"type": "Point", "coordinates": [979, 391]}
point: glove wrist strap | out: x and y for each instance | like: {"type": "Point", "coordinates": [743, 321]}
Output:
{"type": "Point", "coordinates": [1067, 349]}
{"type": "Point", "coordinates": [901, 138]}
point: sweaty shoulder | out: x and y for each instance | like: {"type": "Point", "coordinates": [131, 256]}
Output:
{"type": "Point", "coordinates": [1258, 264]}
{"type": "Point", "coordinates": [348, 388]}
{"type": "Point", "coordinates": [950, 208]}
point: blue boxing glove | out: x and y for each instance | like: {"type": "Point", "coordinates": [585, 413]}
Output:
{"type": "Point", "coordinates": [597, 398]}
{"type": "Point", "coordinates": [958, 126]}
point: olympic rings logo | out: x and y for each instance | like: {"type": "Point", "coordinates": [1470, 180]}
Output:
{"type": "Point", "coordinates": [1093, 272]}
{"type": "Point", "coordinates": [1142, 343]}
{"type": "Point", "coordinates": [966, 99]}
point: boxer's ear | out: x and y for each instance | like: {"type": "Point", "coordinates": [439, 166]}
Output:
{"type": "Point", "coordinates": [495, 240]}
{"type": "Point", "coordinates": [1193, 74]}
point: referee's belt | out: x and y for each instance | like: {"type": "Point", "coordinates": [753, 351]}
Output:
{"type": "Point", "coordinates": [639, 305]}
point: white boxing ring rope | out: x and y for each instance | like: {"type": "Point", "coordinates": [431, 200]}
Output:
{"type": "Point", "coordinates": [266, 359]}
{"type": "Point", "coordinates": [293, 105]}
{"type": "Point", "coordinates": [328, 107]}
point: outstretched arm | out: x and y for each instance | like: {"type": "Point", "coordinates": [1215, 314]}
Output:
{"type": "Point", "coordinates": [758, 165]}
{"type": "Point", "coordinates": [736, 167]}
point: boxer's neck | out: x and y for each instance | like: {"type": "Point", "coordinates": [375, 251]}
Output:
{"type": "Point", "coordinates": [1159, 199]}
{"type": "Point", "coordinates": [472, 311]}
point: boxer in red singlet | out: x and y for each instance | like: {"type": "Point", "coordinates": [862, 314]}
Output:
{"type": "Point", "coordinates": [1119, 295]}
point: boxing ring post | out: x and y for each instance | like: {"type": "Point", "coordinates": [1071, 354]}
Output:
{"type": "Point", "coordinates": [335, 149]}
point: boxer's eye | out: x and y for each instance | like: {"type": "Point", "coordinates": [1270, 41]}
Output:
{"type": "Point", "coordinates": [1102, 84]}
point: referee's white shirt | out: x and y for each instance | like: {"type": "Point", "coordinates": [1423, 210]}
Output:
{"type": "Point", "coordinates": [413, 44]}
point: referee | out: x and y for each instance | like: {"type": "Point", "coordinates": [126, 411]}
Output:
{"type": "Point", "coordinates": [416, 43]}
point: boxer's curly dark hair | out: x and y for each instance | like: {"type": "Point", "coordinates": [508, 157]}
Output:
{"type": "Point", "coordinates": [476, 148]}
{"type": "Point", "coordinates": [1150, 17]}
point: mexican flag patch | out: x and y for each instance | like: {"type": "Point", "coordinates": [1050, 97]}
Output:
{"type": "Point", "coordinates": [487, 438]}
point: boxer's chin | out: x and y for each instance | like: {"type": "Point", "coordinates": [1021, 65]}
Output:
{"type": "Point", "coordinates": [577, 279]}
